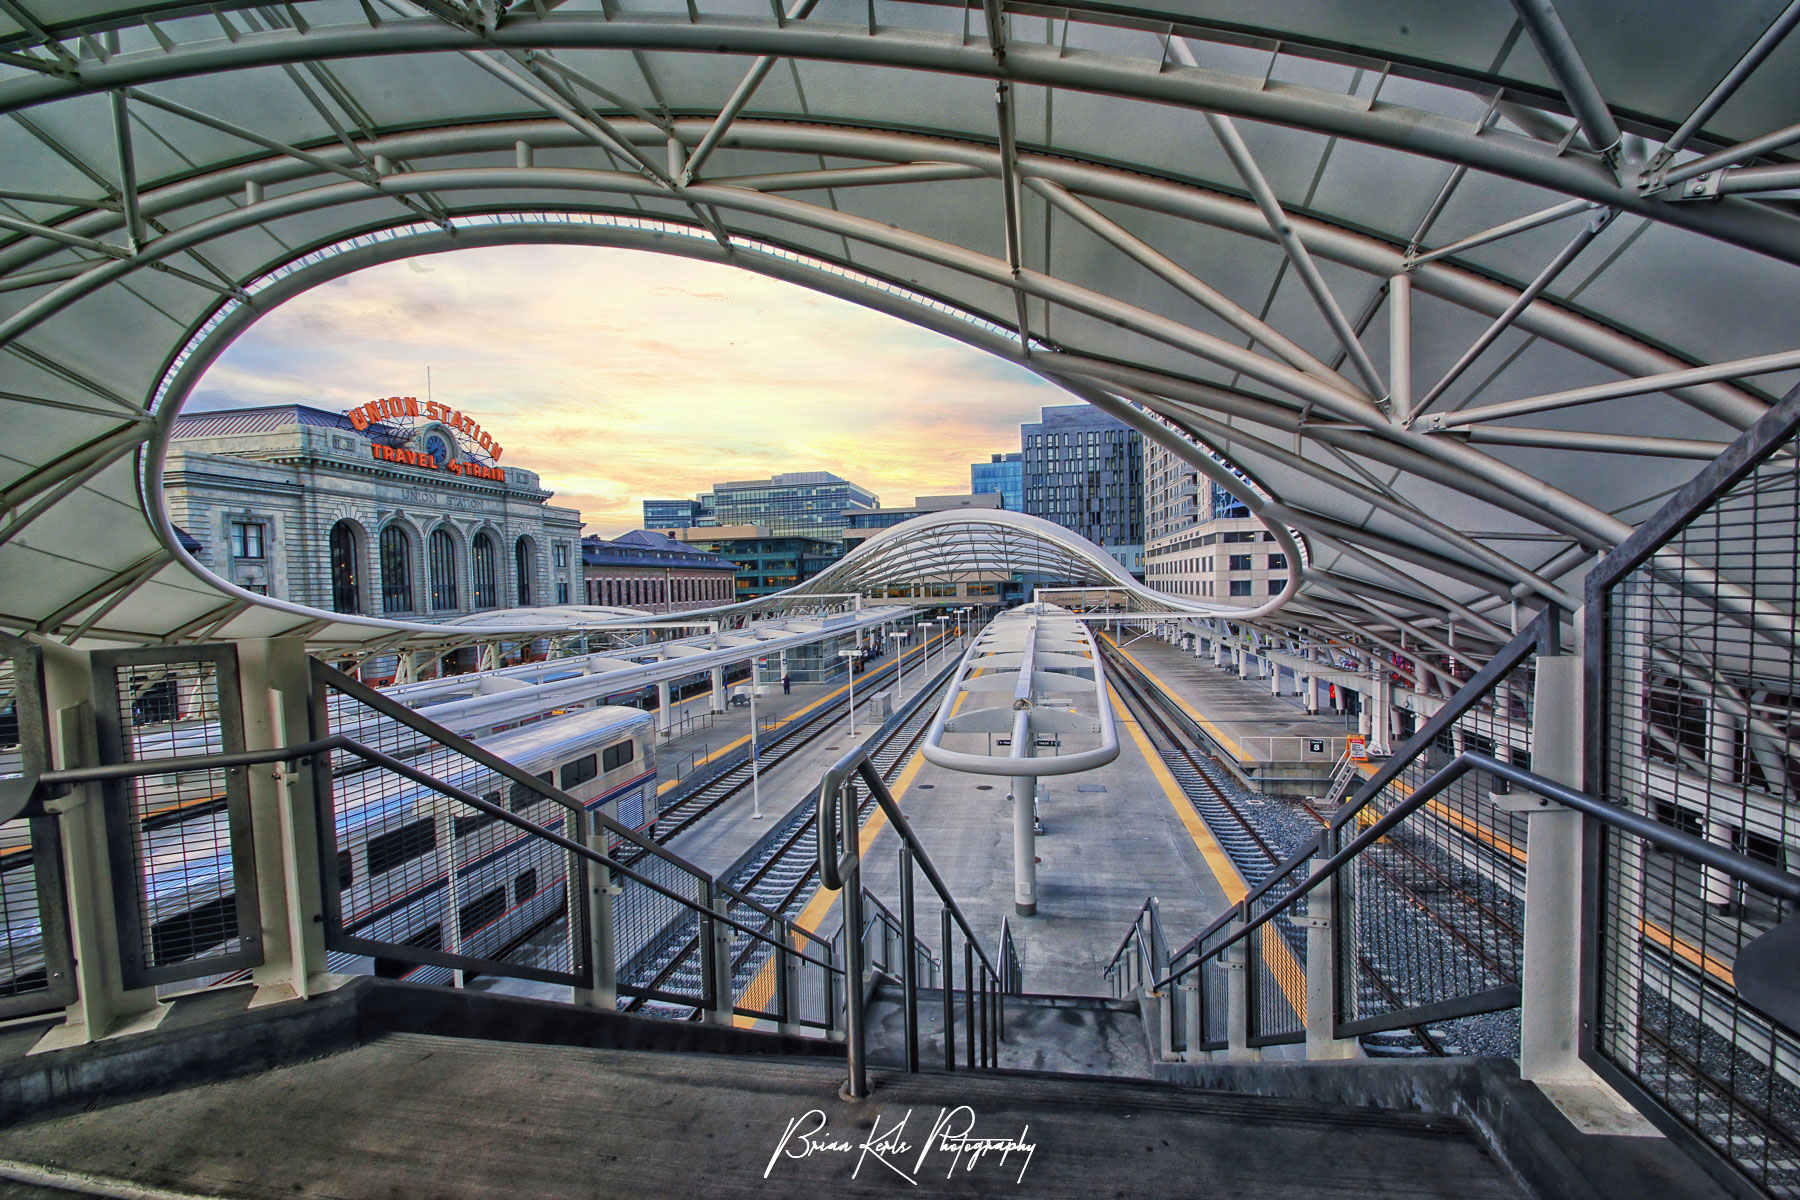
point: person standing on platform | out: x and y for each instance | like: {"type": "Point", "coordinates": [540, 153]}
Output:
{"type": "Point", "coordinates": [787, 685]}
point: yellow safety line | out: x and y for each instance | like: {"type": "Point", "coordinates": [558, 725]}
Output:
{"type": "Point", "coordinates": [1275, 951]}
{"type": "Point", "coordinates": [1684, 949]}
{"type": "Point", "coordinates": [1444, 812]}
{"type": "Point", "coordinates": [1218, 735]}
{"type": "Point", "coordinates": [666, 784]}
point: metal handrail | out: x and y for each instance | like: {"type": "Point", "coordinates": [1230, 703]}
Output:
{"type": "Point", "coordinates": [833, 826]}
{"type": "Point", "coordinates": [53, 783]}
{"type": "Point", "coordinates": [1739, 866]}
{"type": "Point", "coordinates": [840, 869]}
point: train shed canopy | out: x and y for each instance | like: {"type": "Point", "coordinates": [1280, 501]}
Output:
{"type": "Point", "coordinates": [1460, 293]}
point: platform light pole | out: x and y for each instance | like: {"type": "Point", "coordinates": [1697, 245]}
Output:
{"type": "Point", "coordinates": [851, 655]}
{"type": "Point", "coordinates": [943, 624]}
{"type": "Point", "coordinates": [900, 635]}
{"type": "Point", "coordinates": [755, 739]}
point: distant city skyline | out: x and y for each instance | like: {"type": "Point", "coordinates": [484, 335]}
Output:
{"type": "Point", "coordinates": [696, 373]}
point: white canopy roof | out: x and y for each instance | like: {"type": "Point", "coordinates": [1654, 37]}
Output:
{"type": "Point", "coordinates": [1233, 223]}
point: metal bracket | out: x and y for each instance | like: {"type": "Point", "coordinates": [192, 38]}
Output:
{"type": "Point", "coordinates": [1522, 802]}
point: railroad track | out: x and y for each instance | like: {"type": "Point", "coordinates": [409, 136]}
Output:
{"type": "Point", "coordinates": [1208, 788]}
{"type": "Point", "coordinates": [688, 808]}
{"type": "Point", "coordinates": [780, 874]}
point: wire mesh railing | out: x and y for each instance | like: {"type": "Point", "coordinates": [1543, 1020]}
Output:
{"type": "Point", "coordinates": [35, 954]}
{"type": "Point", "coordinates": [1427, 916]}
{"type": "Point", "coordinates": [444, 861]}
{"type": "Point", "coordinates": [1694, 693]}
{"type": "Point", "coordinates": [1433, 914]}
{"type": "Point", "coordinates": [184, 875]}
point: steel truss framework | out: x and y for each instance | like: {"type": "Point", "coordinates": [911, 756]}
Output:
{"type": "Point", "coordinates": [1460, 315]}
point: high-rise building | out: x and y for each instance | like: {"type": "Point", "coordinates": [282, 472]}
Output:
{"type": "Point", "coordinates": [675, 514]}
{"type": "Point", "coordinates": [792, 504]}
{"type": "Point", "coordinates": [1003, 473]}
{"type": "Point", "coordinates": [1084, 470]}
{"type": "Point", "coordinates": [1200, 540]}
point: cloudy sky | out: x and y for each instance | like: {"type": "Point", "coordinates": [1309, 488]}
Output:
{"type": "Point", "coordinates": [620, 375]}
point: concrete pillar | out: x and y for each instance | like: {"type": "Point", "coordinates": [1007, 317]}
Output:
{"type": "Point", "coordinates": [1321, 974]}
{"type": "Point", "coordinates": [718, 690]}
{"type": "Point", "coordinates": [1550, 1005]}
{"type": "Point", "coordinates": [1219, 652]}
{"type": "Point", "coordinates": [1238, 998]}
{"type": "Point", "coordinates": [1274, 679]}
{"type": "Point", "coordinates": [102, 1005]}
{"type": "Point", "coordinates": [275, 681]}
{"type": "Point", "coordinates": [664, 717]}
{"type": "Point", "coordinates": [1025, 845]}
{"type": "Point", "coordinates": [601, 948]}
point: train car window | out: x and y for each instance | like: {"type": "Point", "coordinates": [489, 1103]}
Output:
{"type": "Point", "coordinates": [480, 911]}
{"type": "Point", "coordinates": [525, 886]}
{"type": "Point", "coordinates": [346, 869]}
{"type": "Point", "coordinates": [614, 757]}
{"type": "Point", "coordinates": [469, 824]}
{"type": "Point", "coordinates": [406, 843]}
{"type": "Point", "coordinates": [195, 931]}
{"type": "Point", "coordinates": [523, 797]}
{"type": "Point", "coordinates": [579, 771]}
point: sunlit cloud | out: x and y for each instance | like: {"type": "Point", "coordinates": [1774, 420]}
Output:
{"type": "Point", "coordinates": [620, 375]}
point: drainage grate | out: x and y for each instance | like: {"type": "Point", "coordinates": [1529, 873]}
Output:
{"type": "Point", "coordinates": [984, 787]}
{"type": "Point", "coordinates": [1090, 787]}
{"type": "Point", "coordinates": [925, 786]}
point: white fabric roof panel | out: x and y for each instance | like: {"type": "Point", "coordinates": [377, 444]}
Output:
{"type": "Point", "coordinates": [1356, 114]}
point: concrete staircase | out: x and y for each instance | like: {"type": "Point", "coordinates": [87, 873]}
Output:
{"type": "Point", "coordinates": [1077, 1035]}
{"type": "Point", "coordinates": [380, 1089]}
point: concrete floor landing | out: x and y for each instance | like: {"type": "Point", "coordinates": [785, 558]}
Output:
{"type": "Point", "coordinates": [411, 1115]}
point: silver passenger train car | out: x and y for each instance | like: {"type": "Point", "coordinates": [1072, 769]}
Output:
{"type": "Point", "coordinates": [395, 843]}
{"type": "Point", "coordinates": [410, 872]}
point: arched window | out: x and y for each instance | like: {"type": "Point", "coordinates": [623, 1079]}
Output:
{"type": "Point", "coordinates": [443, 570]}
{"type": "Point", "coordinates": [396, 570]}
{"type": "Point", "coordinates": [522, 564]}
{"type": "Point", "coordinates": [487, 572]}
{"type": "Point", "coordinates": [345, 596]}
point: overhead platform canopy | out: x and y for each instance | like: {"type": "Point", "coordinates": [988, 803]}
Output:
{"type": "Point", "coordinates": [1461, 291]}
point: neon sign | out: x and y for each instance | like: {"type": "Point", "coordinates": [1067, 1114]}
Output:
{"type": "Point", "coordinates": [395, 407]}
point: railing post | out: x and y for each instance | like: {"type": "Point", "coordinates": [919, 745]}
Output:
{"type": "Point", "coordinates": [1550, 978]}
{"type": "Point", "coordinates": [275, 698]}
{"type": "Point", "coordinates": [1193, 1025]}
{"type": "Point", "coordinates": [715, 950]}
{"type": "Point", "coordinates": [949, 993]}
{"type": "Point", "coordinates": [793, 995]}
{"type": "Point", "coordinates": [855, 1032]}
{"type": "Point", "coordinates": [1322, 1041]}
{"type": "Point", "coordinates": [974, 1060]}
{"type": "Point", "coordinates": [602, 954]}
{"type": "Point", "coordinates": [1237, 996]}
{"type": "Point", "coordinates": [102, 1004]}
{"type": "Point", "coordinates": [909, 960]}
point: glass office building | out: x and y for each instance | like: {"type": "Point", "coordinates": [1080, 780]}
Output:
{"type": "Point", "coordinates": [793, 504]}
{"type": "Point", "coordinates": [1084, 470]}
{"type": "Point", "coordinates": [1005, 474]}
{"type": "Point", "coordinates": [675, 514]}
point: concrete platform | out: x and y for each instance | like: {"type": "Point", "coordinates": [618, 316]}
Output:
{"type": "Point", "coordinates": [710, 736]}
{"type": "Point", "coordinates": [411, 1115]}
{"type": "Point", "coordinates": [1103, 850]}
{"type": "Point", "coordinates": [1271, 742]}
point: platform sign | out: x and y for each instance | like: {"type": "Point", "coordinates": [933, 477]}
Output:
{"type": "Point", "coordinates": [1315, 745]}
{"type": "Point", "coordinates": [1357, 747]}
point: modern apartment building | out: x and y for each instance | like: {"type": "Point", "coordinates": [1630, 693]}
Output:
{"type": "Point", "coordinates": [1084, 470]}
